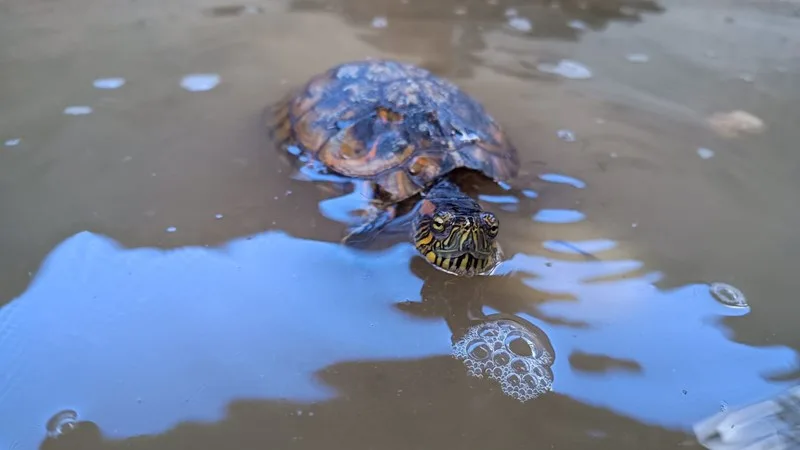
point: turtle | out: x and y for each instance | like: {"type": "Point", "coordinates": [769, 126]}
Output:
{"type": "Point", "coordinates": [410, 135]}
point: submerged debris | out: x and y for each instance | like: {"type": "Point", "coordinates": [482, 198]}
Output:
{"type": "Point", "coordinates": [773, 424]}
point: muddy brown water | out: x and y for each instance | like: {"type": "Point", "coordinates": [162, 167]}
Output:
{"type": "Point", "coordinates": [168, 281]}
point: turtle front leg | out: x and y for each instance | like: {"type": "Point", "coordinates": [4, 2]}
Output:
{"type": "Point", "coordinates": [364, 234]}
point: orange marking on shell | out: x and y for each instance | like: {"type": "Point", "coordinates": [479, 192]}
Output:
{"type": "Point", "coordinates": [308, 135]}
{"type": "Point", "coordinates": [388, 115]}
{"type": "Point", "coordinates": [277, 114]}
{"type": "Point", "coordinates": [426, 167]}
{"type": "Point", "coordinates": [418, 164]}
{"type": "Point", "coordinates": [398, 185]}
{"type": "Point", "coordinates": [347, 155]}
{"type": "Point", "coordinates": [315, 89]}
{"type": "Point", "coordinates": [283, 130]}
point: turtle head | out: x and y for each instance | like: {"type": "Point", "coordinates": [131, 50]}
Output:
{"type": "Point", "coordinates": [456, 235]}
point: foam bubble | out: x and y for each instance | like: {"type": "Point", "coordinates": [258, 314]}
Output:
{"type": "Point", "coordinates": [77, 110]}
{"type": "Point", "coordinates": [200, 82]}
{"type": "Point", "coordinates": [491, 349]}
{"type": "Point", "coordinates": [379, 22]}
{"type": "Point", "coordinates": [567, 68]}
{"type": "Point", "coordinates": [520, 24]}
{"type": "Point", "coordinates": [61, 423]}
{"type": "Point", "coordinates": [108, 83]}
{"type": "Point", "coordinates": [705, 153]}
{"type": "Point", "coordinates": [637, 57]}
{"type": "Point", "coordinates": [728, 295]}
{"type": "Point", "coordinates": [577, 25]}
{"type": "Point", "coordinates": [566, 135]}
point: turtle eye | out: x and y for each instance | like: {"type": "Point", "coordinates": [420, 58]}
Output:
{"type": "Point", "coordinates": [492, 224]}
{"type": "Point", "coordinates": [438, 223]}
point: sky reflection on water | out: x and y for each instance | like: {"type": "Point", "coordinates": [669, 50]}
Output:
{"type": "Point", "coordinates": [107, 331]}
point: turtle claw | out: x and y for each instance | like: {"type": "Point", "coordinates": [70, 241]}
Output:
{"type": "Point", "coordinates": [361, 236]}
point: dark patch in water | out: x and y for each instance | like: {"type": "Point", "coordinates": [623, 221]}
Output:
{"type": "Point", "coordinates": [586, 362]}
{"type": "Point", "coordinates": [233, 10]}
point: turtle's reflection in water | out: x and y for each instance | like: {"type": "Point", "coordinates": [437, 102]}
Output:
{"type": "Point", "coordinates": [502, 347]}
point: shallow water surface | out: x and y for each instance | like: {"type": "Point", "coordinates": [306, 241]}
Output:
{"type": "Point", "coordinates": [169, 280]}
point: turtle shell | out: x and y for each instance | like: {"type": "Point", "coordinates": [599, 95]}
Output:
{"type": "Point", "coordinates": [393, 123]}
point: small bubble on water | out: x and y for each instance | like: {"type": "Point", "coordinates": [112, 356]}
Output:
{"type": "Point", "coordinates": [637, 57]}
{"type": "Point", "coordinates": [288, 192]}
{"type": "Point", "coordinates": [460, 11]}
{"type": "Point", "coordinates": [108, 83]}
{"type": "Point", "coordinates": [520, 24]}
{"type": "Point", "coordinates": [199, 82]}
{"type": "Point", "coordinates": [510, 12]}
{"type": "Point", "coordinates": [728, 295]}
{"type": "Point", "coordinates": [77, 110]}
{"type": "Point", "coordinates": [171, 229]}
{"type": "Point", "coordinates": [13, 142]}
{"type": "Point", "coordinates": [379, 22]}
{"type": "Point", "coordinates": [566, 135]}
{"type": "Point", "coordinates": [577, 25]}
{"type": "Point", "coordinates": [705, 153]}
{"type": "Point", "coordinates": [218, 216]}
{"type": "Point", "coordinates": [567, 69]}
{"type": "Point", "coordinates": [747, 78]}
{"type": "Point", "coordinates": [63, 422]}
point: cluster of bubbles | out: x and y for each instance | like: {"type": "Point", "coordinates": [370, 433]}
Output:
{"type": "Point", "coordinates": [509, 353]}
